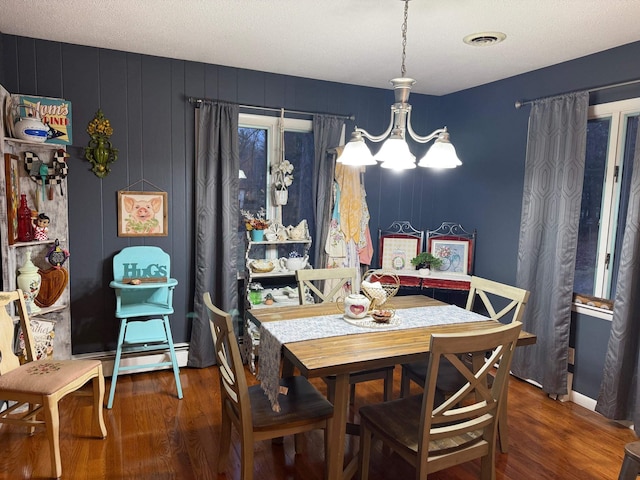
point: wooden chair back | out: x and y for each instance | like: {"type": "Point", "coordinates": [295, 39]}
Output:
{"type": "Point", "coordinates": [8, 359]}
{"type": "Point", "coordinates": [455, 430]}
{"type": "Point", "coordinates": [469, 417]}
{"type": "Point", "coordinates": [341, 281]}
{"type": "Point", "coordinates": [233, 384]}
{"type": "Point", "coordinates": [302, 408]}
{"type": "Point", "coordinates": [494, 295]}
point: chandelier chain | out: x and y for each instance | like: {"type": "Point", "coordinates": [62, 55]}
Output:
{"type": "Point", "coordinates": [403, 69]}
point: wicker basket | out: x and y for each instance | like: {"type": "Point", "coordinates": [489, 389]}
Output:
{"type": "Point", "coordinates": [261, 266]}
{"type": "Point", "coordinates": [389, 286]}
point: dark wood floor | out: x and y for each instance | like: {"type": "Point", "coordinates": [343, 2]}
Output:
{"type": "Point", "coordinates": [153, 435]}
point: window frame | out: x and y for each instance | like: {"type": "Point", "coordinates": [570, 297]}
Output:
{"type": "Point", "coordinates": [274, 141]}
{"type": "Point", "coordinates": [618, 113]}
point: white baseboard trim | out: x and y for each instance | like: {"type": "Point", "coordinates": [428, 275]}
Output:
{"type": "Point", "coordinates": [108, 358]}
{"type": "Point", "coordinates": [572, 396]}
{"type": "Point", "coordinates": [582, 400]}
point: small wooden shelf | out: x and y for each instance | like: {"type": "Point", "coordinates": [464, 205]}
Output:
{"type": "Point", "coordinates": [22, 143]}
{"type": "Point", "coordinates": [273, 274]}
{"type": "Point", "coordinates": [30, 244]}
{"type": "Point", "coordinates": [43, 311]}
{"type": "Point", "coordinates": [279, 242]}
{"type": "Point", "coordinates": [288, 303]}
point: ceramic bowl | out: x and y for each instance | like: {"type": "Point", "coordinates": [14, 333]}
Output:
{"type": "Point", "coordinates": [382, 315]}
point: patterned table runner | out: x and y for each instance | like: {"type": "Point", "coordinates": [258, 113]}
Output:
{"type": "Point", "coordinates": [275, 334]}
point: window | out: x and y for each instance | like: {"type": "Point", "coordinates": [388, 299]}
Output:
{"type": "Point", "coordinates": [259, 147]}
{"type": "Point", "coordinates": [611, 137]}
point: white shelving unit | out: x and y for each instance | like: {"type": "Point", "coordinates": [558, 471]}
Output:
{"type": "Point", "coordinates": [251, 337]}
{"type": "Point", "coordinates": [13, 256]}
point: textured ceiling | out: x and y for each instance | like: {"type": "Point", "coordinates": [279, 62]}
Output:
{"type": "Point", "coordinates": [350, 41]}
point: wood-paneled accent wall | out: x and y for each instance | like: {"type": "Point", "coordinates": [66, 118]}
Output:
{"type": "Point", "coordinates": [144, 97]}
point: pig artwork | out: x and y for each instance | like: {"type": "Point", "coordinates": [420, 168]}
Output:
{"type": "Point", "coordinates": [142, 214]}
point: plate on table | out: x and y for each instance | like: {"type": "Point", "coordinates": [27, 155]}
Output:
{"type": "Point", "coordinates": [369, 322]}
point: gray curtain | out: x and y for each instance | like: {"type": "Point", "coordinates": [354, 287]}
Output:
{"type": "Point", "coordinates": [326, 134]}
{"type": "Point", "coordinates": [552, 196]}
{"type": "Point", "coordinates": [619, 393]}
{"type": "Point", "coordinates": [217, 213]}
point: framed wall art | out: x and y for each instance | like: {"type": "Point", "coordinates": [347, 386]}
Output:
{"type": "Point", "coordinates": [142, 214]}
{"type": "Point", "coordinates": [454, 255]}
{"type": "Point", "coordinates": [397, 252]}
{"type": "Point", "coordinates": [398, 244]}
{"type": "Point", "coordinates": [12, 179]}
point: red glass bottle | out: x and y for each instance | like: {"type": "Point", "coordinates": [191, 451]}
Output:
{"type": "Point", "coordinates": [25, 226]}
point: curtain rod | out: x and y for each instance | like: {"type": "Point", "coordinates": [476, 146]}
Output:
{"type": "Point", "coordinates": [199, 101]}
{"type": "Point", "coordinates": [521, 103]}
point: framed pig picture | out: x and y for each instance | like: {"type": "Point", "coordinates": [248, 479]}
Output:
{"type": "Point", "coordinates": [142, 214]}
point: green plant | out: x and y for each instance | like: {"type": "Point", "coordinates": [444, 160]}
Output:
{"type": "Point", "coordinates": [426, 259]}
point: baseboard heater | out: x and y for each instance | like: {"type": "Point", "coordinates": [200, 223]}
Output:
{"type": "Point", "coordinates": [108, 358]}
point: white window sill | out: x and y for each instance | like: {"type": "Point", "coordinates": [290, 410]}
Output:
{"type": "Point", "coordinates": [592, 311]}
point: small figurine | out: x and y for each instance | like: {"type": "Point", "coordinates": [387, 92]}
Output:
{"type": "Point", "coordinates": [41, 230]}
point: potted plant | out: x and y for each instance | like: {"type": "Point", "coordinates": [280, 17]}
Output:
{"type": "Point", "coordinates": [424, 261]}
{"type": "Point", "coordinates": [255, 223]}
{"type": "Point", "coordinates": [282, 178]}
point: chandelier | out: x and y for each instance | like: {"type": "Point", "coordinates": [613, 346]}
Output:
{"type": "Point", "coordinates": [394, 152]}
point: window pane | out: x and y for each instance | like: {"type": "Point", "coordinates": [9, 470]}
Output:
{"type": "Point", "coordinates": [299, 150]}
{"type": "Point", "coordinates": [252, 144]}
{"type": "Point", "coordinates": [590, 211]}
{"type": "Point", "coordinates": [253, 162]}
{"type": "Point", "coordinates": [623, 205]}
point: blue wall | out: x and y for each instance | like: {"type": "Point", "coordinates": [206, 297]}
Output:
{"type": "Point", "coordinates": [486, 192]}
{"type": "Point", "coordinates": [145, 99]}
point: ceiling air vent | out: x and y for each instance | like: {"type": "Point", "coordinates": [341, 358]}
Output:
{"type": "Point", "coordinates": [484, 39]}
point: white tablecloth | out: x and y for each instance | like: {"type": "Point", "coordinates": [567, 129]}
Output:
{"type": "Point", "coordinates": [275, 334]}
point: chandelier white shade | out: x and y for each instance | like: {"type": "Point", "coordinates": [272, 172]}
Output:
{"type": "Point", "coordinates": [395, 153]}
{"type": "Point", "coordinates": [441, 154]}
{"type": "Point", "coordinates": [356, 152]}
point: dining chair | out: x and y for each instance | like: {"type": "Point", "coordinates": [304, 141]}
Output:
{"type": "Point", "coordinates": [501, 302]}
{"type": "Point", "coordinates": [144, 301]}
{"type": "Point", "coordinates": [302, 408]}
{"type": "Point", "coordinates": [342, 285]}
{"type": "Point", "coordinates": [631, 465]}
{"type": "Point", "coordinates": [452, 431]}
{"type": "Point", "coordinates": [320, 285]}
{"type": "Point", "coordinates": [37, 386]}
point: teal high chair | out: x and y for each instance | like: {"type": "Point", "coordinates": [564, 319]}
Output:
{"type": "Point", "coordinates": [143, 291]}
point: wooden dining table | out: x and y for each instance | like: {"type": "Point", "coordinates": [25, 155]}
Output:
{"type": "Point", "coordinates": [346, 354]}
